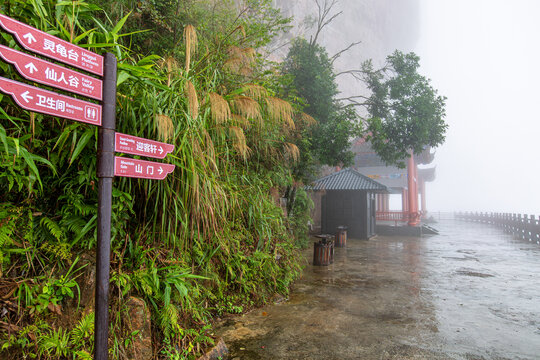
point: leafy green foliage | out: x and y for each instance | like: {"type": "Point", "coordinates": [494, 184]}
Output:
{"type": "Point", "coordinates": [299, 215]}
{"type": "Point", "coordinates": [406, 112]}
{"type": "Point", "coordinates": [314, 81]}
{"type": "Point", "coordinates": [210, 238]}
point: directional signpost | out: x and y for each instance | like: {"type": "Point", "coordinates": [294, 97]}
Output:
{"type": "Point", "coordinates": [46, 73]}
{"type": "Point", "coordinates": [50, 103]}
{"type": "Point", "coordinates": [40, 42]}
{"type": "Point", "coordinates": [139, 146]}
{"type": "Point", "coordinates": [141, 169]}
{"type": "Point", "coordinates": [103, 115]}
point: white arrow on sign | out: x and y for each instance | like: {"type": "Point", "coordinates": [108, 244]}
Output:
{"type": "Point", "coordinates": [30, 38]}
{"type": "Point", "coordinates": [160, 150]}
{"type": "Point", "coordinates": [160, 170]}
{"type": "Point", "coordinates": [26, 95]}
{"type": "Point", "coordinates": [31, 67]}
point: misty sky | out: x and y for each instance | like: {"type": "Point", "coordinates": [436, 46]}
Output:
{"type": "Point", "coordinates": [484, 55]}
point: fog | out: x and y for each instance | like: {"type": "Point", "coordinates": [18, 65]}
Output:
{"type": "Point", "coordinates": [484, 55]}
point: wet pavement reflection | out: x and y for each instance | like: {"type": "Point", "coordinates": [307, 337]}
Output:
{"type": "Point", "coordinates": [470, 293]}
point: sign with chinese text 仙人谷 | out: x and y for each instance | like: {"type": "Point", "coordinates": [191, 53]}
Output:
{"type": "Point", "coordinates": [52, 47]}
{"type": "Point", "coordinates": [46, 73]}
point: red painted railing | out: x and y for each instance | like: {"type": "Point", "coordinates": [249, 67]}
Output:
{"type": "Point", "coordinates": [397, 216]}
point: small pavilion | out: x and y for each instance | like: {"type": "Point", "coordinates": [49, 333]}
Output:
{"type": "Point", "coordinates": [409, 182]}
{"type": "Point", "coordinates": [346, 198]}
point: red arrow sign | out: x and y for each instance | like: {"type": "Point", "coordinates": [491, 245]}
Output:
{"type": "Point", "coordinates": [47, 73]}
{"type": "Point", "coordinates": [140, 146]}
{"type": "Point", "coordinates": [47, 45]}
{"type": "Point", "coordinates": [50, 103]}
{"type": "Point", "coordinates": [141, 169]}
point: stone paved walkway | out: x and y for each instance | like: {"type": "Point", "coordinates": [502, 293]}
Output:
{"type": "Point", "coordinates": [470, 293]}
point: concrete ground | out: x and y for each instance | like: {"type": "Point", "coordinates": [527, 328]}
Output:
{"type": "Point", "coordinates": [470, 293]}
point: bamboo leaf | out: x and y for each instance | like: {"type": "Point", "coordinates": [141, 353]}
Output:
{"type": "Point", "coordinates": [120, 24]}
{"type": "Point", "coordinates": [122, 76]}
{"type": "Point", "coordinates": [83, 35]}
{"type": "Point", "coordinates": [83, 141]}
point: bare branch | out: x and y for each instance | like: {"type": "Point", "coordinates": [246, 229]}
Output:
{"type": "Point", "coordinates": [269, 52]}
{"type": "Point", "coordinates": [353, 102]}
{"type": "Point", "coordinates": [339, 53]}
{"type": "Point", "coordinates": [351, 98]}
{"type": "Point", "coordinates": [322, 21]}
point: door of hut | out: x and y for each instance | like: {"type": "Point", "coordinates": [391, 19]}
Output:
{"type": "Point", "coordinates": [345, 207]}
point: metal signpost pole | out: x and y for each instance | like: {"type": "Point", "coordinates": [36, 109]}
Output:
{"type": "Point", "coordinates": [105, 172]}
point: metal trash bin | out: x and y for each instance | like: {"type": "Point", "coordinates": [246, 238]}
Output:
{"type": "Point", "coordinates": [323, 250]}
{"type": "Point", "coordinates": [341, 236]}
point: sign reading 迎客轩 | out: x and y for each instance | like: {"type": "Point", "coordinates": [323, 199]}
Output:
{"type": "Point", "coordinates": [134, 145]}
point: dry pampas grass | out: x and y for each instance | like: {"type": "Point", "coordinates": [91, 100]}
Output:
{"type": "Point", "coordinates": [221, 112]}
{"type": "Point", "coordinates": [164, 126]}
{"type": "Point", "coordinates": [190, 40]}
{"type": "Point", "coordinates": [280, 110]}
{"type": "Point", "coordinates": [193, 102]}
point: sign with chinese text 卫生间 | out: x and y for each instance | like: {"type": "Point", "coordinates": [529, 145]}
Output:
{"type": "Point", "coordinates": [50, 103]}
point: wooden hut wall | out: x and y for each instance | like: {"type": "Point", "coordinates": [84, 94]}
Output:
{"type": "Point", "coordinates": [352, 208]}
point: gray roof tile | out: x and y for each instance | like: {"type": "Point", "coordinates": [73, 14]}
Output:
{"type": "Point", "coordinates": [346, 179]}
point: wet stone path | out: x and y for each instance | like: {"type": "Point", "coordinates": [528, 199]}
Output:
{"type": "Point", "coordinates": [472, 292]}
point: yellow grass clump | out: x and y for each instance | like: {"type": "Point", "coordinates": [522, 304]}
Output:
{"type": "Point", "coordinates": [193, 102]}
{"type": "Point", "coordinates": [247, 107]}
{"type": "Point", "coordinates": [241, 121]}
{"type": "Point", "coordinates": [164, 126]}
{"type": "Point", "coordinates": [190, 40]}
{"type": "Point", "coordinates": [210, 151]}
{"type": "Point", "coordinates": [240, 60]}
{"type": "Point", "coordinates": [291, 152]}
{"type": "Point", "coordinates": [221, 112]}
{"type": "Point", "coordinates": [171, 64]}
{"type": "Point", "coordinates": [256, 91]}
{"type": "Point", "coordinates": [307, 119]}
{"type": "Point", "coordinates": [239, 141]}
{"type": "Point", "coordinates": [280, 110]}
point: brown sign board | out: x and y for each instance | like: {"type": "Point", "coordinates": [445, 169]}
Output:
{"type": "Point", "coordinates": [50, 103]}
{"type": "Point", "coordinates": [52, 47]}
{"type": "Point", "coordinates": [129, 144]}
{"type": "Point", "coordinates": [142, 169]}
{"type": "Point", "coordinates": [47, 73]}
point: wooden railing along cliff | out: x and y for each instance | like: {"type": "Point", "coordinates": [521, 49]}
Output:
{"type": "Point", "coordinates": [523, 226]}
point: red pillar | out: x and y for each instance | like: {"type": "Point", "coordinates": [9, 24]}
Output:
{"type": "Point", "coordinates": [405, 200]}
{"type": "Point", "coordinates": [413, 191]}
{"type": "Point", "coordinates": [423, 194]}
